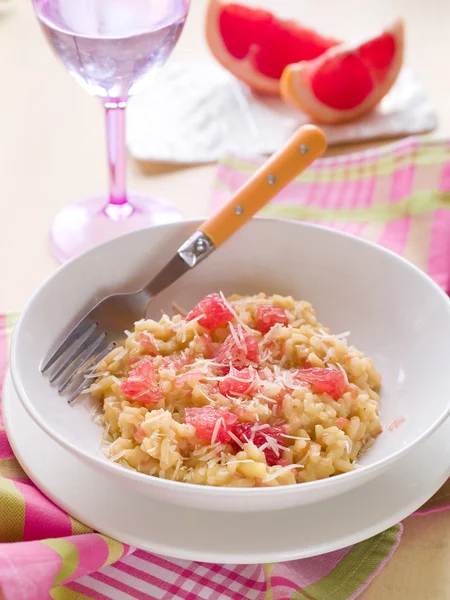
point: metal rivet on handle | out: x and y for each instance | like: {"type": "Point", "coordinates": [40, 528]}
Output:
{"type": "Point", "coordinates": [201, 246]}
{"type": "Point", "coordinates": [303, 149]}
{"type": "Point", "coordinates": [271, 179]}
{"type": "Point", "coordinates": [239, 210]}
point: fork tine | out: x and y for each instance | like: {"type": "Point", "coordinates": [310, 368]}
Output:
{"type": "Point", "coordinates": [93, 349]}
{"type": "Point", "coordinates": [78, 391]}
{"type": "Point", "coordinates": [85, 383]}
{"type": "Point", "coordinates": [77, 351]}
{"type": "Point", "coordinates": [74, 335]}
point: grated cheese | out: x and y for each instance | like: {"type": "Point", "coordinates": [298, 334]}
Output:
{"type": "Point", "coordinates": [236, 439]}
{"type": "Point", "coordinates": [267, 355]}
{"type": "Point", "coordinates": [328, 355]}
{"type": "Point", "coordinates": [219, 423]}
{"type": "Point", "coordinates": [236, 375]}
{"type": "Point", "coordinates": [206, 361]}
{"type": "Point", "coordinates": [258, 427]}
{"type": "Point", "coordinates": [286, 379]}
{"type": "Point", "coordinates": [182, 326]}
{"type": "Point", "coordinates": [201, 449]}
{"type": "Point", "coordinates": [88, 390]}
{"type": "Point", "coordinates": [166, 451]}
{"type": "Point", "coordinates": [140, 362]}
{"type": "Point", "coordinates": [298, 323]}
{"type": "Point", "coordinates": [118, 456]}
{"type": "Point", "coordinates": [246, 301]}
{"type": "Point", "coordinates": [98, 419]}
{"type": "Point", "coordinates": [210, 455]}
{"type": "Point", "coordinates": [215, 379]}
{"type": "Point", "coordinates": [204, 394]}
{"type": "Point", "coordinates": [273, 444]}
{"type": "Point", "coordinates": [96, 375]}
{"type": "Point", "coordinates": [140, 394]}
{"type": "Point", "coordinates": [329, 336]}
{"type": "Point", "coordinates": [119, 356]}
{"type": "Point", "coordinates": [260, 396]}
{"type": "Point", "coordinates": [234, 313]}
{"type": "Point", "coordinates": [180, 310]}
{"type": "Point", "coordinates": [237, 338]}
{"type": "Point", "coordinates": [344, 373]}
{"type": "Point", "coordinates": [281, 471]}
{"type": "Point", "coordinates": [242, 338]}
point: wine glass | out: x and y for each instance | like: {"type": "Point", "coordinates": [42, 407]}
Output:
{"type": "Point", "coordinates": [112, 48]}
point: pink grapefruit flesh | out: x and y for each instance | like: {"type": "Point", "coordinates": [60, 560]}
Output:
{"type": "Point", "coordinates": [256, 46]}
{"type": "Point", "coordinates": [346, 81]}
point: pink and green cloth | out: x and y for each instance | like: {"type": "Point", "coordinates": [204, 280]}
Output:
{"type": "Point", "coordinates": [397, 196]}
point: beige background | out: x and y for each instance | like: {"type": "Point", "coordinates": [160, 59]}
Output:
{"type": "Point", "coordinates": [52, 152]}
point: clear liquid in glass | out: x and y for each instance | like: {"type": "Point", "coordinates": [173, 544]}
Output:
{"type": "Point", "coordinates": [112, 47]}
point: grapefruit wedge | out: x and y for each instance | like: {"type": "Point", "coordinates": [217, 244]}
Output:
{"type": "Point", "coordinates": [256, 46]}
{"type": "Point", "coordinates": [346, 81]}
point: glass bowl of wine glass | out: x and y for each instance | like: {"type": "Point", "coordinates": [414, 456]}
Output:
{"type": "Point", "coordinates": [112, 48]}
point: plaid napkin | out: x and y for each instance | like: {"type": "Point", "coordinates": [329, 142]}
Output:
{"type": "Point", "coordinates": [396, 196]}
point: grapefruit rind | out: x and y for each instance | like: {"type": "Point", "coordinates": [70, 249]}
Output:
{"type": "Point", "coordinates": [244, 66]}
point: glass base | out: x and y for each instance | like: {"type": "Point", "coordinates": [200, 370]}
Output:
{"type": "Point", "coordinates": [87, 223]}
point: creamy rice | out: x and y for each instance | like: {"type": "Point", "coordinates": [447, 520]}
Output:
{"type": "Point", "coordinates": [271, 420]}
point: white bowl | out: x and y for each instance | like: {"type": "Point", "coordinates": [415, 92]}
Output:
{"type": "Point", "coordinates": [395, 313]}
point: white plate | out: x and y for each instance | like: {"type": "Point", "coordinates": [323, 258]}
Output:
{"type": "Point", "coordinates": [241, 538]}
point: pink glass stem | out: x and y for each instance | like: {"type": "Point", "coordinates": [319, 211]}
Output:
{"type": "Point", "coordinates": [118, 206]}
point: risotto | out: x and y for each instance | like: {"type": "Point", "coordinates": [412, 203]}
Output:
{"type": "Point", "coordinates": [242, 391]}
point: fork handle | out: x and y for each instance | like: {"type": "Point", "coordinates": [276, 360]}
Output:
{"type": "Point", "coordinates": [303, 148]}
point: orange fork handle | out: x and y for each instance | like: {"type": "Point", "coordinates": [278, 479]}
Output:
{"type": "Point", "coordinates": [307, 144]}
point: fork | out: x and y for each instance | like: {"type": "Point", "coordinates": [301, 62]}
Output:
{"type": "Point", "coordinates": [97, 333]}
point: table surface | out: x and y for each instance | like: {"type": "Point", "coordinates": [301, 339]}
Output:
{"type": "Point", "coordinates": [52, 151]}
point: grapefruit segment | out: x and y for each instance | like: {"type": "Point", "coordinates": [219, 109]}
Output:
{"type": "Point", "coordinates": [211, 312]}
{"type": "Point", "coordinates": [329, 381]}
{"type": "Point", "coordinates": [267, 316]}
{"type": "Point", "coordinates": [270, 439]}
{"type": "Point", "coordinates": [238, 382]}
{"type": "Point", "coordinates": [347, 81]}
{"type": "Point", "coordinates": [256, 46]}
{"type": "Point", "coordinates": [238, 349]}
{"type": "Point", "coordinates": [141, 384]}
{"type": "Point", "coordinates": [205, 422]}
